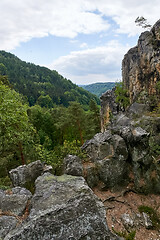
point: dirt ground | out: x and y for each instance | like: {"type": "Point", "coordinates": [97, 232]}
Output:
{"type": "Point", "coordinates": [128, 202]}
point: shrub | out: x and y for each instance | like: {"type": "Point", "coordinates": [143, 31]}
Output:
{"type": "Point", "coordinates": [122, 95]}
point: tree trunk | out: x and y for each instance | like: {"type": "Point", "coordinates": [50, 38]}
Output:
{"type": "Point", "coordinates": [80, 132]}
{"type": "Point", "coordinates": [22, 155]}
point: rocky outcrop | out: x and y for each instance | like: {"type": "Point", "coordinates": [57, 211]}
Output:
{"type": "Point", "coordinates": [7, 223]}
{"type": "Point", "coordinates": [73, 165]}
{"type": "Point", "coordinates": [108, 107]}
{"type": "Point", "coordinates": [63, 207]}
{"type": "Point", "coordinates": [25, 175]}
{"type": "Point", "coordinates": [141, 65]}
{"type": "Point", "coordinates": [13, 205]}
{"type": "Point", "coordinates": [109, 153]}
{"type": "Point", "coordinates": [123, 154]}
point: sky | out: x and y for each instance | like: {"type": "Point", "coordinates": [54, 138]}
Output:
{"type": "Point", "coordinates": [84, 40]}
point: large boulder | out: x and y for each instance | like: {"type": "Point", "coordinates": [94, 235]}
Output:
{"type": "Point", "coordinates": [105, 145]}
{"type": "Point", "coordinates": [25, 175]}
{"type": "Point", "coordinates": [137, 109]}
{"type": "Point", "coordinates": [73, 165]}
{"type": "Point", "coordinates": [91, 174]}
{"type": "Point", "coordinates": [7, 223]}
{"type": "Point", "coordinates": [109, 153]}
{"type": "Point", "coordinates": [63, 207]}
{"type": "Point", "coordinates": [15, 202]}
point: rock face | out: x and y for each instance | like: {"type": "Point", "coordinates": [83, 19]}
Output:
{"type": "Point", "coordinates": [7, 223]}
{"type": "Point", "coordinates": [63, 207]}
{"type": "Point", "coordinates": [109, 153]}
{"type": "Point", "coordinates": [141, 65]}
{"type": "Point", "coordinates": [16, 201]}
{"type": "Point", "coordinates": [26, 174]}
{"type": "Point", "coordinates": [12, 207]}
{"type": "Point", "coordinates": [123, 154]}
{"type": "Point", "coordinates": [73, 165]}
{"type": "Point", "coordinates": [108, 106]}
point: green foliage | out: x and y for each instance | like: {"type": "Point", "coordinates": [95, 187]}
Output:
{"type": "Point", "coordinates": [56, 156]}
{"type": "Point", "coordinates": [155, 218]}
{"type": "Point", "coordinates": [153, 103]}
{"type": "Point", "coordinates": [3, 69]}
{"type": "Point", "coordinates": [122, 95]}
{"type": "Point", "coordinates": [45, 101]}
{"type": "Point", "coordinates": [93, 118]}
{"type": "Point", "coordinates": [59, 124]}
{"type": "Point", "coordinates": [40, 84]}
{"type": "Point", "coordinates": [125, 235]}
{"type": "Point", "coordinates": [16, 132]}
{"type": "Point", "coordinates": [158, 87]}
{"type": "Point", "coordinates": [5, 183]}
{"type": "Point", "coordinates": [46, 131]}
{"type": "Point", "coordinates": [99, 88]}
{"type": "Point", "coordinates": [155, 148]}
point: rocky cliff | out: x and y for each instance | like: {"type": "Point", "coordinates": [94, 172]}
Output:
{"type": "Point", "coordinates": [141, 65]}
{"type": "Point", "coordinates": [140, 74]}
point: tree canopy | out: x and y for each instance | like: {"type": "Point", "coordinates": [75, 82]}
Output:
{"type": "Point", "coordinates": [40, 84]}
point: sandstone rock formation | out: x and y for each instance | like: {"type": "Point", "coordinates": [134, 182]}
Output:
{"type": "Point", "coordinates": [141, 65]}
{"type": "Point", "coordinates": [140, 74]}
{"type": "Point", "coordinates": [108, 106]}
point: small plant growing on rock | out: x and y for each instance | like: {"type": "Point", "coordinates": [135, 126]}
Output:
{"type": "Point", "coordinates": [155, 218]}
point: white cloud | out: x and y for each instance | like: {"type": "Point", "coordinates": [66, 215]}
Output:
{"type": "Point", "coordinates": [97, 64]}
{"type": "Point", "coordinates": [22, 20]}
{"type": "Point", "coordinates": [124, 12]}
{"type": "Point", "coordinates": [84, 45]}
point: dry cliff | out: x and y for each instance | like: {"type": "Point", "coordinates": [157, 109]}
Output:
{"type": "Point", "coordinates": [141, 65]}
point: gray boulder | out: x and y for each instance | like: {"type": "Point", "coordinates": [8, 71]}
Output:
{"type": "Point", "coordinates": [7, 223]}
{"type": "Point", "coordinates": [22, 191]}
{"type": "Point", "coordinates": [64, 207]}
{"type": "Point", "coordinates": [128, 221]}
{"type": "Point", "coordinates": [110, 154]}
{"type": "Point", "coordinates": [73, 165]}
{"type": "Point", "coordinates": [91, 175]}
{"type": "Point", "coordinates": [122, 120]}
{"type": "Point", "coordinates": [137, 109]}
{"type": "Point", "coordinates": [15, 202]}
{"type": "Point", "coordinates": [105, 145]}
{"type": "Point", "coordinates": [140, 135]}
{"type": "Point", "coordinates": [24, 175]}
{"type": "Point", "coordinates": [147, 221]}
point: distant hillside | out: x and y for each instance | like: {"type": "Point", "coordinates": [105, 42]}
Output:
{"type": "Point", "coordinates": [40, 83]}
{"type": "Point", "coordinates": [98, 88]}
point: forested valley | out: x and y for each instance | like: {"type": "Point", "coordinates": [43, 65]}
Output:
{"type": "Point", "coordinates": [43, 116]}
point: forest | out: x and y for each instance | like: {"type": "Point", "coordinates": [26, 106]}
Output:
{"type": "Point", "coordinates": [40, 120]}
{"type": "Point", "coordinates": [99, 88]}
{"type": "Point", "coordinates": [42, 85]}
